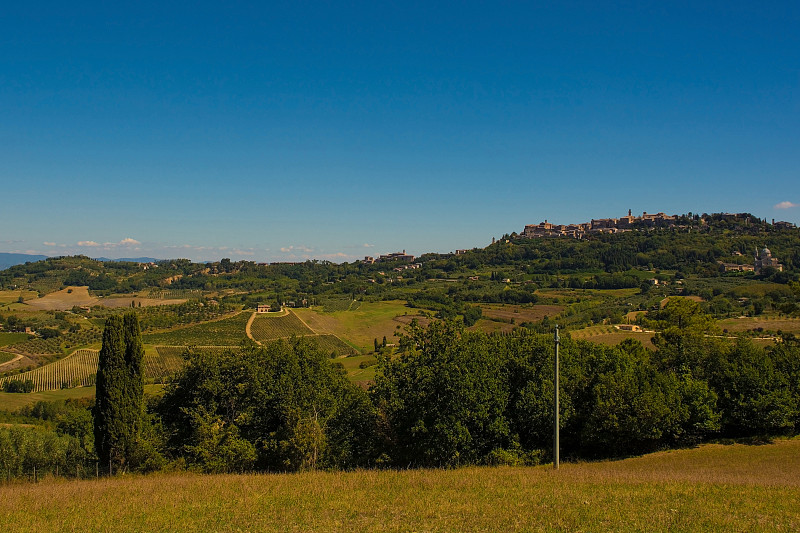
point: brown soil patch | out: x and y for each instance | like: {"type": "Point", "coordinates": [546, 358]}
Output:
{"type": "Point", "coordinates": [521, 314]}
{"type": "Point", "coordinates": [633, 315]}
{"type": "Point", "coordinates": [490, 326]}
{"type": "Point", "coordinates": [693, 298]}
{"type": "Point", "coordinates": [612, 339]}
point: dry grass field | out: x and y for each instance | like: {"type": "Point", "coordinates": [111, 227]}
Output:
{"type": "Point", "coordinates": [711, 488]}
{"type": "Point", "coordinates": [66, 299]}
{"type": "Point", "coordinates": [520, 313]}
{"type": "Point", "coordinates": [789, 325]}
{"type": "Point", "coordinates": [492, 326]}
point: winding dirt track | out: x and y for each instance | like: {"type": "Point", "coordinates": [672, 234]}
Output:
{"type": "Point", "coordinates": [17, 358]}
{"type": "Point", "coordinates": [247, 328]}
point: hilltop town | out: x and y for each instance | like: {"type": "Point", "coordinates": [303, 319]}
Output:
{"type": "Point", "coordinates": [630, 222]}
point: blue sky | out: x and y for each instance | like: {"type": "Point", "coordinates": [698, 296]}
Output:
{"type": "Point", "coordinates": [333, 130]}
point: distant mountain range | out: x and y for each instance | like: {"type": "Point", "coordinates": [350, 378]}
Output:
{"type": "Point", "coordinates": [8, 260]}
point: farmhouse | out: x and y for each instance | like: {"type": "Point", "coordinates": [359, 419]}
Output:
{"type": "Point", "coordinates": [734, 267]}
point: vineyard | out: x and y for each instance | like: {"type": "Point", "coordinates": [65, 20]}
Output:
{"type": "Point", "coordinates": [333, 344]}
{"type": "Point", "coordinates": [76, 370]}
{"type": "Point", "coordinates": [269, 328]}
{"type": "Point", "coordinates": [332, 305]}
{"type": "Point", "coordinates": [266, 329]}
{"type": "Point", "coordinates": [79, 369]}
{"type": "Point", "coordinates": [173, 294]}
{"type": "Point", "coordinates": [160, 366]}
{"type": "Point", "coordinates": [226, 332]}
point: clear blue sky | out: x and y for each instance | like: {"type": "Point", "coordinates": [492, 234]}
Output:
{"type": "Point", "coordinates": [335, 130]}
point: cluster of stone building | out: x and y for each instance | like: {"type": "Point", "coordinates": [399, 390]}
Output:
{"type": "Point", "coordinates": [600, 225]}
{"type": "Point", "coordinates": [394, 256]}
{"type": "Point", "coordinates": [763, 259]}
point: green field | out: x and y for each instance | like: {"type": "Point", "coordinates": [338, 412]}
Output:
{"type": "Point", "coordinates": [269, 328]}
{"type": "Point", "coordinates": [12, 338]}
{"type": "Point", "coordinates": [225, 332]}
{"type": "Point", "coordinates": [711, 488]}
{"type": "Point", "coordinates": [13, 401]}
{"type": "Point", "coordinates": [5, 357]}
{"type": "Point", "coordinates": [355, 373]}
{"type": "Point", "coordinates": [372, 320]}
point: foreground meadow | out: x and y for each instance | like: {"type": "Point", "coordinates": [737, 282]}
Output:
{"type": "Point", "coordinates": [711, 488]}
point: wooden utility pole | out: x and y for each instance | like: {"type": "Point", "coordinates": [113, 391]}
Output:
{"type": "Point", "coordinates": [555, 404]}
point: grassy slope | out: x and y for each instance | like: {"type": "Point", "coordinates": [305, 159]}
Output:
{"type": "Point", "coordinates": [713, 488]}
{"type": "Point", "coordinates": [354, 372]}
{"type": "Point", "coordinates": [371, 321]}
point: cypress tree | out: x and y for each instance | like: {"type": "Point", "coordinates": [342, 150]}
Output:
{"type": "Point", "coordinates": [118, 407]}
{"type": "Point", "coordinates": [134, 386]}
{"type": "Point", "coordinates": [108, 431]}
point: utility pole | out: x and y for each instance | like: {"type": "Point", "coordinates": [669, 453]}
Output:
{"type": "Point", "coordinates": [555, 404]}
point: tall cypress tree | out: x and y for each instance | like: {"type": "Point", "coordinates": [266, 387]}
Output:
{"type": "Point", "coordinates": [118, 407]}
{"type": "Point", "coordinates": [134, 389]}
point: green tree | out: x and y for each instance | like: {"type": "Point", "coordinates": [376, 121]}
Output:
{"type": "Point", "coordinates": [118, 407]}
{"type": "Point", "coordinates": [282, 406]}
{"type": "Point", "coordinates": [443, 400]}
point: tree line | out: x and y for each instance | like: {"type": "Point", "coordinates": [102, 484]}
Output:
{"type": "Point", "coordinates": [452, 397]}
